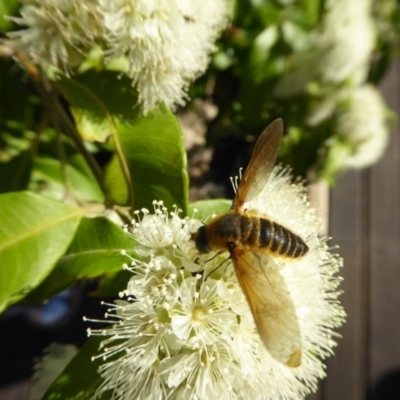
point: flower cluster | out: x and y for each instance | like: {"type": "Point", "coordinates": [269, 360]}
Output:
{"type": "Point", "coordinates": [361, 131]}
{"type": "Point", "coordinates": [57, 33]}
{"type": "Point", "coordinates": [332, 69]}
{"type": "Point", "coordinates": [346, 41]}
{"type": "Point", "coordinates": [338, 50]}
{"type": "Point", "coordinates": [163, 45]}
{"type": "Point", "coordinates": [184, 329]}
{"type": "Point", "coordinates": [362, 125]}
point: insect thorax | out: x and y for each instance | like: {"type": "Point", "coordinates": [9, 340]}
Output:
{"type": "Point", "coordinates": [223, 230]}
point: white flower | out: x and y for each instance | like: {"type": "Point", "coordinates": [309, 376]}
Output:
{"type": "Point", "coordinates": [363, 127]}
{"type": "Point", "coordinates": [208, 373]}
{"type": "Point", "coordinates": [167, 43]}
{"type": "Point", "coordinates": [201, 315]}
{"type": "Point", "coordinates": [56, 357]}
{"type": "Point", "coordinates": [346, 40]}
{"type": "Point", "coordinates": [339, 49]}
{"type": "Point", "coordinates": [155, 278]}
{"type": "Point", "coordinates": [57, 31]}
{"type": "Point", "coordinates": [188, 332]}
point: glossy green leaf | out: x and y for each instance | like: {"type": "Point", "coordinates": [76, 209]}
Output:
{"type": "Point", "coordinates": [49, 178]}
{"type": "Point", "coordinates": [153, 151]}
{"type": "Point", "coordinates": [150, 159]}
{"type": "Point", "coordinates": [80, 378]}
{"type": "Point", "coordinates": [119, 190]}
{"type": "Point", "coordinates": [34, 233]}
{"type": "Point", "coordinates": [94, 251]}
{"type": "Point", "coordinates": [99, 101]}
{"type": "Point", "coordinates": [205, 208]}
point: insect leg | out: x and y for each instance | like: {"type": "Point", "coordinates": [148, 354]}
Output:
{"type": "Point", "coordinates": [218, 266]}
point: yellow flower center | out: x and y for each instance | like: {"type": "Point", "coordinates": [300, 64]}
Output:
{"type": "Point", "coordinates": [199, 313]}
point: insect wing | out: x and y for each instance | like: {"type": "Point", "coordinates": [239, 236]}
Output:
{"type": "Point", "coordinates": [261, 164]}
{"type": "Point", "coordinates": [270, 303]}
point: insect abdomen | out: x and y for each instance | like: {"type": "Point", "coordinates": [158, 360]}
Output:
{"type": "Point", "coordinates": [273, 237]}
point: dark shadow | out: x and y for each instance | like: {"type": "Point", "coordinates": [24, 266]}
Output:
{"type": "Point", "coordinates": [26, 330]}
{"type": "Point", "coordinates": [387, 387]}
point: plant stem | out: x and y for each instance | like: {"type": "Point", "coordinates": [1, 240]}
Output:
{"type": "Point", "coordinates": [47, 92]}
{"type": "Point", "coordinates": [71, 131]}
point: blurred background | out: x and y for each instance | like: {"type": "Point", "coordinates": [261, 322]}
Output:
{"type": "Point", "coordinates": [364, 220]}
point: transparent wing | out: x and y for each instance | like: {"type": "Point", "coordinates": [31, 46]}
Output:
{"type": "Point", "coordinates": [270, 303]}
{"type": "Point", "coordinates": [260, 165]}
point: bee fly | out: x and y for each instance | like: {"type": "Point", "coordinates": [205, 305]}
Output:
{"type": "Point", "coordinates": [250, 240]}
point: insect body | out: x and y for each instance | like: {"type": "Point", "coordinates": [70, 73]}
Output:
{"type": "Point", "coordinates": [251, 239]}
{"type": "Point", "coordinates": [251, 232]}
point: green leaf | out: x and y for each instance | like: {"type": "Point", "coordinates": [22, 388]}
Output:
{"type": "Point", "coordinates": [15, 173]}
{"type": "Point", "coordinates": [80, 378]}
{"type": "Point", "coordinates": [266, 11]}
{"type": "Point", "coordinates": [99, 100]}
{"type": "Point", "coordinates": [295, 36]}
{"type": "Point", "coordinates": [94, 251]}
{"type": "Point", "coordinates": [313, 9]}
{"type": "Point", "coordinates": [150, 159]}
{"type": "Point", "coordinates": [152, 149]}
{"type": "Point", "coordinates": [94, 60]}
{"type": "Point", "coordinates": [205, 208]}
{"type": "Point", "coordinates": [7, 7]}
{"type": "Point", "coordinates": [222, 60]}
{"type": "Point", "coordinates": [260, 53]}
{"type": "Point", "coordinates": [51, 183]}
{"type": "Point", "coordinates": [112, 284]}
{"type": "Point", "coordinates": [337, 154]}
{"type": "Point", "coordinates": [119, 190]}
{"type": "Point", "coordinates": [18, 100]}
{"type": "Point", "coordinates": [34, 233]}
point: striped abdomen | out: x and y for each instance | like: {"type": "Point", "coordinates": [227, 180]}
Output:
{"type": "Point", "coordinates": [268, 235]}
{"type": "Point", "coordinates": [252, 232]}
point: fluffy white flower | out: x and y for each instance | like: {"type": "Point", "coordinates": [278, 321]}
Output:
{"type": "Point", "coordinates": [56, 31]}
{"type": "Point", "coordinates": [346, 41]}
{"type": "Point", "coordinates": [363, 127]}
{"type": "Point", "coordinates": [55, 358]}
{"type": "Point", "coordinates": [201, 315]}
{"type": "Point", "coordinates": [208, 373]}
{"type": "Point", "coordinates": [188, 332]}
{"type": "Point", "coordinates": [167, 43]}
{"type": "Point", "coordinates": [339, 49]}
